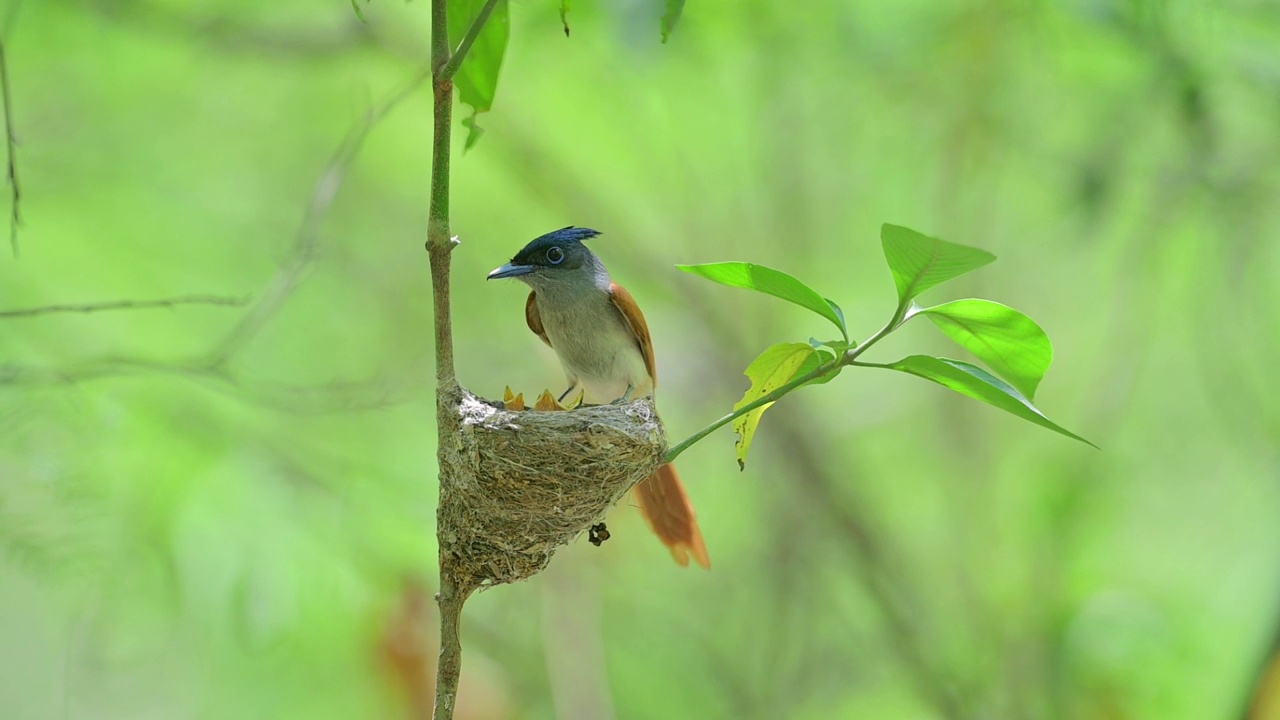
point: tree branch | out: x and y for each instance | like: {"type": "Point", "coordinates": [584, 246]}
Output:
{"type": "Point", "coordinates": [230, 32]}
{"type": "Point", "coordinates": [127, 305]}
{"type": "Point", "coordinates": [211, 369]}
{"type": "Point", "coordinates": [303, 251]}
{"type": "Point", "coordinates": [298, 399]}
{"type": "Point", "coordinates": [15, 190]}
{"type": "Point", "coordinates": [453, 594]}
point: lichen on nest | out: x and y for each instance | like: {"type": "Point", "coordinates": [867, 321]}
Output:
{"type": "Point", "coordinates": [517, 485]}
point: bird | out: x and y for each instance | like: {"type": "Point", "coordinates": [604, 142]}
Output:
{"type": "Point", "coordinates": [602, 341]}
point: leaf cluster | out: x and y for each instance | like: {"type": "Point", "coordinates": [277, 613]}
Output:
{"type": "Point", "coordinates": [1014, 349]}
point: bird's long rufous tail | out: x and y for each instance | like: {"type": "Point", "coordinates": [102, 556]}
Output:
{"type": "Point", "coordinates": [670, 515]}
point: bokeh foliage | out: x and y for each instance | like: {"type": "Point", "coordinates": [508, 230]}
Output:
{"type": "Point", "coordinates": [180, 545]}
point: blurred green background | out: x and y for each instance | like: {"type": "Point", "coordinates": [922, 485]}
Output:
{"type": "Point", "coordinates": [251, 542]}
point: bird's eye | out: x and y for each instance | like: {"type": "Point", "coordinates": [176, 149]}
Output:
{"type": "Point", "coordinates": [555, 255]}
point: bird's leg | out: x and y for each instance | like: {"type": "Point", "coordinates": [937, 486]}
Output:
{"type": "Point", "coordinates": [626, 396]}
{"type": "Point", "coordinates": [565, 394]}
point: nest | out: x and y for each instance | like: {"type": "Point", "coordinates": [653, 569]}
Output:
{"type": "Point", "coordinates": [517, 485]}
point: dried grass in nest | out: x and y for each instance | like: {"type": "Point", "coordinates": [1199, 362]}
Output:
{"type": "Point", "coordinates": [523, 483]}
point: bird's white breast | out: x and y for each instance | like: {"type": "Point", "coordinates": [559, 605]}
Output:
{"type": "Point", "coordinates": [596, 347]}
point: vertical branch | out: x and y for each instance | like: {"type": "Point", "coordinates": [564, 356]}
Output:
{"type": "Point", "coordinates": [454, 589]}
{"type": "Point", "coordinates": [449, 670]}
{"type": "Point", "coordinates": [439, 244]}
{"type": "Point", "coordinates": [15, 190]}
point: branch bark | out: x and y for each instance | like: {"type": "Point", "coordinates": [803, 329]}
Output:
{"type": "Point", "coordinates": [451, 596]}
{"type": "Point", "coordinates": [126, 305]}
{"type": "Point", "coordinates": [15, 190]}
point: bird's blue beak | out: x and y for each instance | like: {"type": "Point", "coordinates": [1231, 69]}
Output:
{"type": "Point", "coordinates": [511, 270]}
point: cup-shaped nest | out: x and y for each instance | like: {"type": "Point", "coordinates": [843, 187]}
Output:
{"type": "Point", "coordinates": [517, 485]}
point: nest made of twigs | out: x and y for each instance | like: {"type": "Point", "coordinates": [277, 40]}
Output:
{"type": "Point", "coordinates": [517, 485]}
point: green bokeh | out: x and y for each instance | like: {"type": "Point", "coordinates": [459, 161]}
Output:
{"type": "Point", "coordinates": [177, 545]}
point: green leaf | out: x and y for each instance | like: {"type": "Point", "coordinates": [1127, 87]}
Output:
{"type": "Point", "coordinates": [1010, 343]}
{"type": "Point", "coordinates": [977, 383]}
{"type": "Point", "coordinates": [771, 282]}
{"type": "Point", "coordinates": [564, 15]}
{"type": "Point", "coordinates": [837, 346]}
{"type": "Point", "coordinates": [918, 262]}
{"type": "Point", "coordinates": [477, 78]}
{"type": "Point", "coordinates": [474, 131]}
{"type": "Point", "coordinates": [671, 17]}
{"type": "Point", "coordinates": [355, 5]}
{"type": "Point", "coordinates": [774, 368]}
{"type": "Point", "coordinates": [824, 357]}
{"type": "Point", "coordinates": [839, 313]}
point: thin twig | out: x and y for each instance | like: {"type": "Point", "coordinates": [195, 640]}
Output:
{"type": "Point", "coordinates": [229, 32]}
{"type": "Point", "coordinates": [297, 399]}
{"type": "Point", "coordinates": [455, 61]}
{"type": "Point", "coordinates": [303, 253]}
{"type": "Point", "coordinates": [210, 370]}
{"type": "Point", "coordinates": [172, 302]}
{"type": "Point", "coordinates": [15, 190]}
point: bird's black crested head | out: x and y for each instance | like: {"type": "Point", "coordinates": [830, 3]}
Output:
{"type": "Point", "coordinates": [561, 248]}
{"type": "Point", "coordinates": [546, 257]}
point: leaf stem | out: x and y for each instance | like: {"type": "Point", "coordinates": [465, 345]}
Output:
{"type": "Point", "coordinates": [688, 442]}
{"type": "Point", "coordinates": [451, 66]}
{"type": "Point", "coordinates": [900, 315]}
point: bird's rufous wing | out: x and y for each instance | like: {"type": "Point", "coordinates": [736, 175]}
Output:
{"type": "Point", "coordinates": [534, 320]}
{"type": "Point", "coordinates": [662, 499]}
{"type": "Point", "coordinates": [635, 319]}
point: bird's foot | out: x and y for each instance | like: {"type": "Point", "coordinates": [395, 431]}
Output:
{"type": "Point", "coordinates": [626, 396]}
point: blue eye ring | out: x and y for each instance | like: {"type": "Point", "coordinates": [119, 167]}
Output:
{"type": "Point", "coordinates": [555, 255]}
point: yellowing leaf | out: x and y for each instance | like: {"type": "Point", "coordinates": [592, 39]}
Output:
{"type": "Point", "coordinates": [774, 368]}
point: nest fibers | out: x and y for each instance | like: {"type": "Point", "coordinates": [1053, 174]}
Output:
{"type": "Point", "coordinates": [519, 484]}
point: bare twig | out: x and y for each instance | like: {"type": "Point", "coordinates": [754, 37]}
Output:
{"type": "Point", "coordinates": [297, 399]}
{"type": "Point", "coordinates": [15, 189]}
{"type": "Point", "coordinates": [227, 32]}
{"type": "Point", "coordinates": [210, 370]}
{"type": "Point", "coordinates": [172, 302]}
{"type": "Point", "coordinates": [303, 253]}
